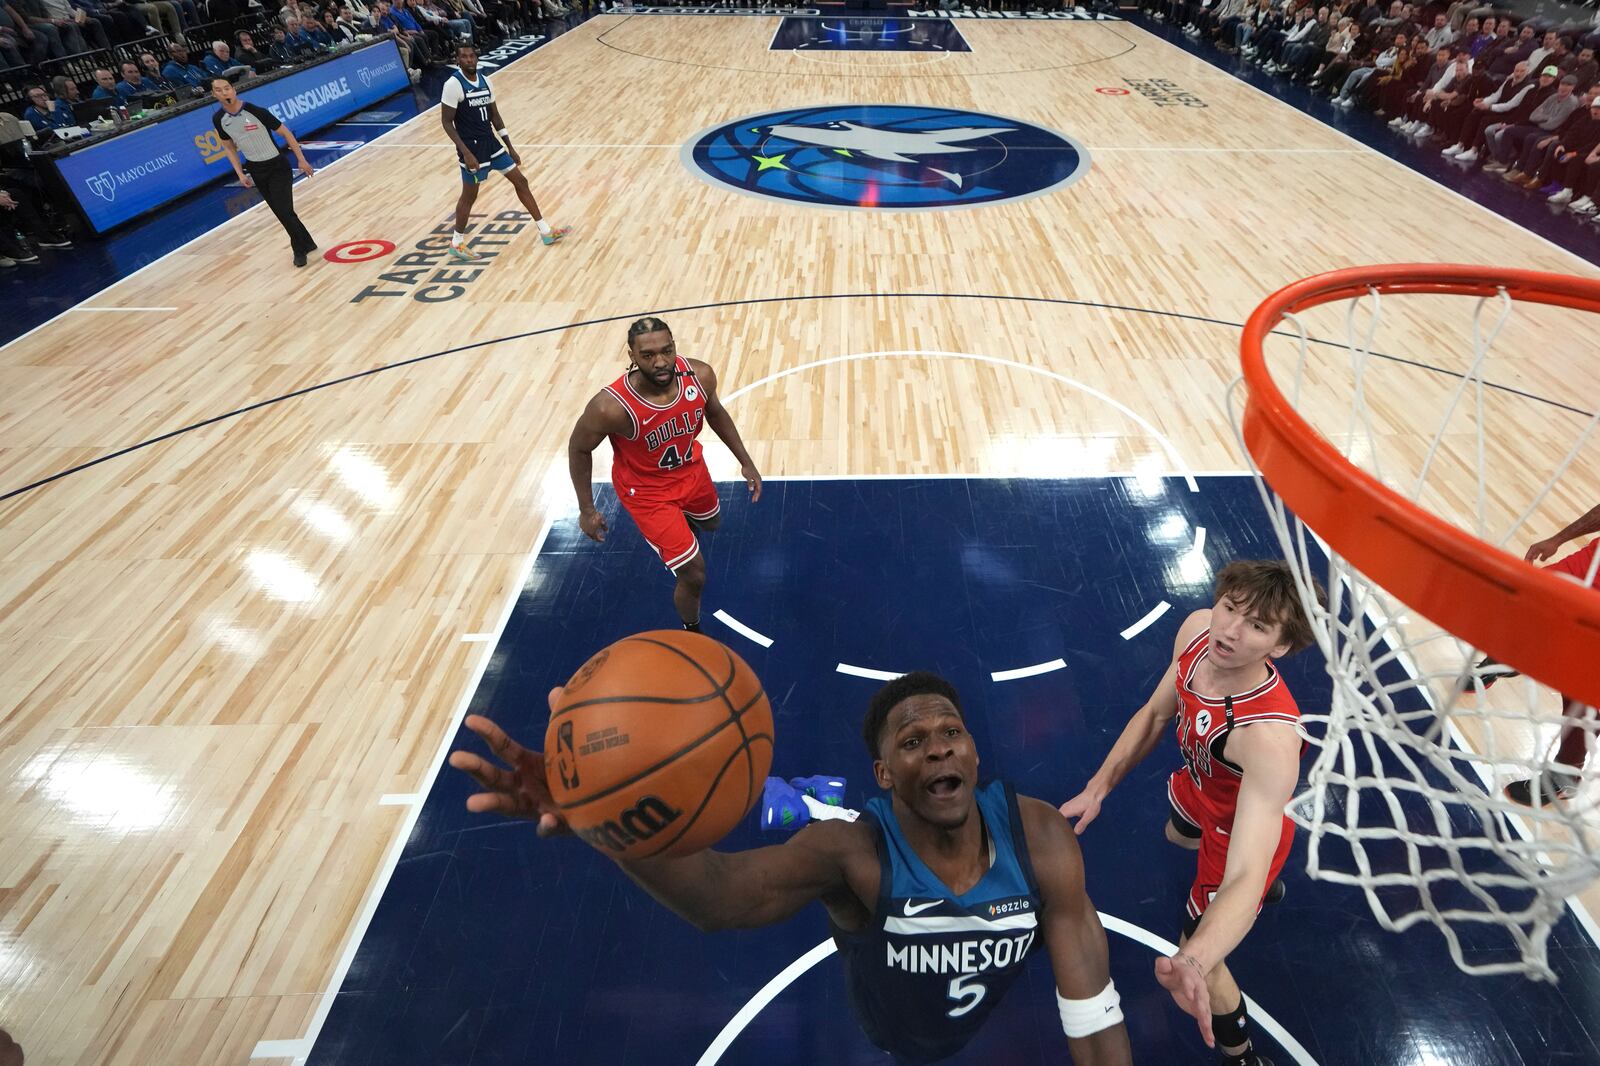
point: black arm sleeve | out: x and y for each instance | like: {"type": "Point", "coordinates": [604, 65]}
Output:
{"type": "Point", "coordinates": [216, 123]}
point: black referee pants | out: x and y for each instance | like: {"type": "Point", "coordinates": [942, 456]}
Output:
{"type": "Point", "coordinates": [276, 182]}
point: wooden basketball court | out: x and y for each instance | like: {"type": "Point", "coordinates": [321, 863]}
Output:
{"type": "Point", "coordinates": [232, 655]}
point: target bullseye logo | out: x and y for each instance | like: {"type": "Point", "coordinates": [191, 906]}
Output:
{"type": "Point", "coordinates": [358, 251]}
{"type": "Point", "coordinates": [1112, 90]}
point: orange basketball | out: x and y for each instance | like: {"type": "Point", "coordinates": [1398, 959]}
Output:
{"type": "Point", "coordinates": [662, 742]}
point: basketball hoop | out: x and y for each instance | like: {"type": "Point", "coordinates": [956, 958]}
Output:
{"type": "Point", "coordinates": [1425, 576]}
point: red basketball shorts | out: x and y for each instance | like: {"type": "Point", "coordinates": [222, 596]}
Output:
{"type": "Point", "coordinates": [1577, 564]}
{"type": "Point", "coordinates": [1213, 855]}
{"type": "Point", "coordinates": [662, 509]}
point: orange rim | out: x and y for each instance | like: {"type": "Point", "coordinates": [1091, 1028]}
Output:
{"type": "Point", "coordinates": [1544, 625]}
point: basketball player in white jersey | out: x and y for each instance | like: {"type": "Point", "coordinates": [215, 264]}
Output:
{"type": "Point", "coordinates": [472, 122]}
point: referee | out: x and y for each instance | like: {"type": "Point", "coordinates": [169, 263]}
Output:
{"type": "Point", "coordinates": [248, 129]}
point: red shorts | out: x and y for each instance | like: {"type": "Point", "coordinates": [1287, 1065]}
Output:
{"type": "Point", "coordinates": [1577, 564]}
{"type": "Point", "coordinates": [662, 509]}
{"type": "Point", "coordinates": [1213, 857]}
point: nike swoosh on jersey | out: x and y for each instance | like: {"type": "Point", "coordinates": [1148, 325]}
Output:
{"type": "Point", "coordinates": [647, 421]}
{"type": "Point", "coordinates": [912, 912]}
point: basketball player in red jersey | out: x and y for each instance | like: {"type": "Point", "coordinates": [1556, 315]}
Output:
{"type": "Point", "coordinates": [1572, 748]}
{"type": "Point", "coordinates": [653, 414]}
{"type": "Point", "coordinates": [1241, 753]}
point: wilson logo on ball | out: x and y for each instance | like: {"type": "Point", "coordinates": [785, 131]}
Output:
{"type": "Point", "coordinates": [638, 823]}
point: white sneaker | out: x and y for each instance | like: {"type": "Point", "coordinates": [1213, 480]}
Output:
{"type": "Point", "coordinates": [1562, 197]}
{"type": "Point", "coordinates": [1421, 130]}
{"type": "Point", "coordinates": [1583, 206]}
{"type": "Point", "coordinates": [1453, 150]}
{"type": "Point", "coordinates": [1469, 156]}
{"type": "Point", "coordinates": [1396, 122]}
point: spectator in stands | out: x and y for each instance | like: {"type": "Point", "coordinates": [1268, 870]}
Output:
{"type": "Point", "coordinates": [1553, 164]}
{"type": "Point", "coordinates": [40, 20]}
{"type": "Point", "coordinates": [1488, 35]}
{"type": "Point", "coordinates": [1299, 58]}
{"type": "Point", "coordinates": [121, 23]}
{"type": "Point", "coordinates": [1389, 21]}
{"type": "Point", "coordinates": [92, 30]}
{"type": "Point", "coordinates": [297, 40]}
{"type": "Point", "coordinates": [150, 67]}
{"type": "Point", "coordinates": [162, 14]}
{"type": "Point", "coordinates": [1583, 171]}
{"type": "Point", "coordinates": [219, 62]}
{"type": "Point", "coordinates": [414, 45]}
{"type": "Point", "coordinates": [1512, 51]}
{"type": "Point", "coordinates": [1401, 96]}
{"type": "Point", "coordinates": [1440, 35]}
{"type": "Point", "coordinates": [1266, 19]}
{"type": "Point", "coordinates": [66, 90]}
{"type": "Point", "coordinates": [1398, 53]}
{"type": "Point", "coordinates": [1540, 57]}
{"type": "Point", "coordinates": [43, 113]}
{"type": "Point", "coordinates": [1585, 68]}
{"type": "Point", "coordinates": [178, 70]}
{"type": "Point", "coordinates": [132, 83]}
{"type": "Point", "coordinates": [438, 41]}
{"type": "Point", "coordinates": [11, 43]}
{"type": "Point", "coordinates": [445, 21]}
{"type": "Point", "coordinates": [39, 38]}
{"type": "Point", "coordinates": [1438, 97]}
{"type": "Point", "coordinates": [1340, 59]}
{"type": "Point", "coordinates": [247, 50]}
{"type": "Point", "coordinates": [105, 85]}
{"type": "Point", "coordinates": [20, 210]}
{"type": "Point", "coordinates": [1506, 97]}
{"type": "Point", "coordinates": [1549, 116]}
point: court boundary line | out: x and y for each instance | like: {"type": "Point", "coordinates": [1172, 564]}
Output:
{"type": "Point", "coordinates": [747, 302]}
{"type": "Point", "coordinates": [1211, 62]}
{"type": "Point", "coordinates": [379, 885]}
{"type": "Point", "coordinates": [546, 43]}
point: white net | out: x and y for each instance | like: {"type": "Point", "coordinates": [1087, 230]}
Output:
{"type": "Point", "coordinates": [1446, 787]}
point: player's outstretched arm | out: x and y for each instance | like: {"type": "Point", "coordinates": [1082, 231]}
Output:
{"type": "Point", "coordinates": [603, 416]}
{"type": "Point", "coordinates": [1269, 755]}
{"type": "Point", "coordinates": [721, 423]}
{"type": "Point", "coordinates": [709, 889]}
{"type": "Point", "coordinates": [1140, 736]}
{"type": "Point", "coordinates": [1091, 1012]}
{"type": "Point", "coordinates": [1544, 549]}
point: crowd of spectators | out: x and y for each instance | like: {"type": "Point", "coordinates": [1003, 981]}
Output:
{"type": "Point", "coordinates": [1518, 98]}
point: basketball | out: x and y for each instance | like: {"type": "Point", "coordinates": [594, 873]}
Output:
{"type": "Point", "coordinates": [662, 742]}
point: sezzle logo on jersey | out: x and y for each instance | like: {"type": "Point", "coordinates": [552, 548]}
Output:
{"type": "Point", "coordinates": [679, 426]}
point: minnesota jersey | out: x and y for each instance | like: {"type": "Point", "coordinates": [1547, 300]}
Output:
{"type": "Point", "coordinates": [660, 448]}
{"type": "Point", "coordinates": [1206, 790]}
{"type": "Point", "coordinates": [930, 967]}
{"type": "Point", "coordinates": [472, 99]}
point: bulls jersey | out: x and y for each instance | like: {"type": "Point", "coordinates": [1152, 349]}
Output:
{"type": "Point", "coordinates": [1204, 723]}
{"type": "Point", "coordinates": [660, 446]}
{"type": "Point", "coordinates": [472, 100]}
{"type": "Point", "coordinates": [932, 965]}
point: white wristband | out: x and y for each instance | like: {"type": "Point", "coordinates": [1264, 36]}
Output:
{"type": "Point", "coordinates": [1082, 1017]}
{"type": "Point", "coordinates": [504, 133]}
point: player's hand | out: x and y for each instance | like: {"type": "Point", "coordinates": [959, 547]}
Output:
{"type": "Point", "coordinates": [1084, 807]}
{"type": "Point", "coordinates": [1542, 550]}
{"type": "Point", "coordinates": [469, 161]}
{"type": "Point", "coordinates": [6, 201]}
{"type": "Point", "coordinates": [752, 477]}
{"type": "Point", "coordinates": [1181, 976]}
{"type": "Point", "coordinates": [593, 524]}
{"type": "Point", "coordinates": [305, 168]}
{"type": "Point", "coordinates": [516, 160]}
{"type": "Point", "coordinates": [247, 181]}
{"type": "Point", "coordinates": [518, 792]}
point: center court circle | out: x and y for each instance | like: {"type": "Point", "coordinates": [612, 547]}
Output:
{"type": "Point", "coordinates": [887, 157]}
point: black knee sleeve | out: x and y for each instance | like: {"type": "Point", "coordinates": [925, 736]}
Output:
{"type": "Point", "coordinates": [1231, 1029]}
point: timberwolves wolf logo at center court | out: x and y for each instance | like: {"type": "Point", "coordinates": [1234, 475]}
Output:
{"type": "Point", "coordinates": [886, 156]}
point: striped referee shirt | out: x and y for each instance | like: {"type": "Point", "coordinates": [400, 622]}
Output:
{"type": "Point", "coordinates": [251, 130]}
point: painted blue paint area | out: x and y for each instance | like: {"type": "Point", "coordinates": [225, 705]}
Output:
{"type": "Point", "coordinates": [1576, 234]}
{"type": "Point", "coordinates": [840, 34]}
{"type": "Point", "coordinates": [492, 947]}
